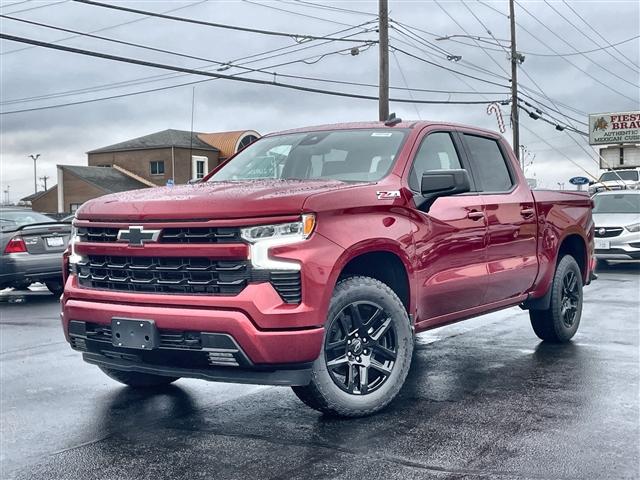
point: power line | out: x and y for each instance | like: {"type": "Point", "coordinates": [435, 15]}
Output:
{"type": "Point", "coordinates": [104, 29]}
{"type": "Point", "coordinates": [572, 47]}
{"type": "Point", "coordinates": [14, 4]}
{"type": "Point", "coordinates": [596, 32]}
{"type": "Point", "coordinates": [557, 125]}
{"type": "Point", "coordinates": [329, 7]}
{"type": "Point", "coordinates": [449, 69]}
{"type": "Point", "coordinates": [46, 5]}
{"type": "Point", "coordinates": [217, 75]}
{"type": "Point", "coordinates": [295, 36]}
{"type": "Point", "coordinates": [589, 38]}
{"type": "Point", "coordinates": [406, 84]}
{"type": "Point", "coordinates": [295, 13]}
{"type": "Point", "coordinates": [168, 76]}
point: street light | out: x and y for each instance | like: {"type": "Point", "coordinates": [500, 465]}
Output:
{"type": "Point", "coordinates": [35, 176]}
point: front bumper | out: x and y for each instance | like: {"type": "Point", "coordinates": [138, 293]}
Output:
{"type": "Point", "coordinates": [625, 246]}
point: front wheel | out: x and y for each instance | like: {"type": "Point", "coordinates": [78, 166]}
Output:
{"type": "Point", "coordinates": [138, 379]}
{"type": "Point", "coordinates": [366, 352]}
{"type": "Point", "coordinates": [55, 286]}
{"type": "Point", "coordinates": [559, 323]}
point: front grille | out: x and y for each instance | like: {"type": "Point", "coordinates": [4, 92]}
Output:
{"type": "Point", "coordinates": [608, 232]}
{"type": "Point", "coordinates": [206, 235]}
{"type": "Point", "coordinates": [180, 275]}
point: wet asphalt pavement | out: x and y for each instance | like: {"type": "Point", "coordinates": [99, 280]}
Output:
{"type": "Point", "coordinates": [484, 399]}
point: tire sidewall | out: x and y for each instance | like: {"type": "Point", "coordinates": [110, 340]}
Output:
{"type": "Point", "coordinates": [356, 289]}
{"type": "Point", "coordinates": [566, 264]}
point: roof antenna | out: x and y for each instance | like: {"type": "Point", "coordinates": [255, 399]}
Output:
{"type": "Point", "coordinates": [392, 120]}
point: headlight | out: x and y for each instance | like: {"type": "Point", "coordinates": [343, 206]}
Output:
{"type": "Point", "coordinates": [264, 237]}
{"type": "Point", "coordinates": [74, 258]}
{"type": "Point", "coordinates": [633, 228]}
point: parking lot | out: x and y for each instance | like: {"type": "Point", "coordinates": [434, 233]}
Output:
{"type": "Point", "coordinates": [484, 399]}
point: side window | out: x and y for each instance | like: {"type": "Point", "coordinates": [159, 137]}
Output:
{"type": "Point", "coordinates": [490, 165]}
{"type": "Point", "coordinates": [436, 152]}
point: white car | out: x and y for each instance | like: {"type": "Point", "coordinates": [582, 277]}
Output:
{"type": "Point", "coordinates": [616, 180]}
{"type": "Point", "coordinates": [616, 215]}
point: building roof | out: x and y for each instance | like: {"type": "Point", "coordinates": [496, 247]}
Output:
{"type": "Point", "coordinates": [35, 196]}
{"type": "Point", "coordinates": [109, 180]}
{"type": "Point", "coordinates": [164, 139]}
{"type": "Point", "coordinates": [226, 142]}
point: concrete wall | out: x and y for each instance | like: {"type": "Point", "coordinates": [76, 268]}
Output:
{"type": "Point", "coordinates": [139, 162]}
{"type": "Point", "coordinates": [47, 203]}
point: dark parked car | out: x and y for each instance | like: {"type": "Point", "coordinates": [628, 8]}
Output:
{"type": "Point", "coordinates": [31, 245]}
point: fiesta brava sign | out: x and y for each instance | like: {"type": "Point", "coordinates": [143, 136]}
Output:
{"type": "Point", "coordinates": [622, 127]}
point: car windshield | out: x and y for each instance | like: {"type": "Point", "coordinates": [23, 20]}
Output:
{"type": "Point", "coordinates": [12, 219]}
{"type": "Point", "coordinates": [619, 203]}
{"type": "Point", "coordinates": [346, 155]}
{"type": "Point", "coordinates": [624, 175]}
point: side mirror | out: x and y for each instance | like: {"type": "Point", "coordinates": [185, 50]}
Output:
{"type": "Point", "coordinates": [442, 183]}
{"type": "Point", "coordinates": [591, 182]}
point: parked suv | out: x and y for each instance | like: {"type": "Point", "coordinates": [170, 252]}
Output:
{"type": "Point", "coordinates": [616, 180]}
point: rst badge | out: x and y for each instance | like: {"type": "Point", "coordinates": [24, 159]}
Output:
{"type": "Point", "coordinates": [388, 195]}
{"type": "Point", "coordinates": [138, 236]}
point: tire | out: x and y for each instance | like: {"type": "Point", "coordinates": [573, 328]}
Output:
{"type": "Point", "coordinates": [21, 286]}
{"type": "Point", "coordinates": [601, 264]}
{"type": "Point", "coordinates": [559, 323]}
{"type": "Point", "coordinates": [55, 286]}
{"type": "Point", "coordinates": [366, 352]}
{"type": "Point", "coordinates": [138, 379]}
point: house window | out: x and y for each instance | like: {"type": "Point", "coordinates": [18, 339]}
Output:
{"type": "Point", "coordinates": [74, 207]}
{"type": "Point", "coordinates": [157, 168]}
{"type": "Point", "coordinates": [199, 166]}
{"type": "Point", "coordinates": [246, 141]}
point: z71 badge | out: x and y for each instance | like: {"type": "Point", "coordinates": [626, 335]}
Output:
{"type": "Point", "coordinates": [390, 195]}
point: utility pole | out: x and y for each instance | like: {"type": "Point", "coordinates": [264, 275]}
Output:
{"type": "Point", "coordinates": [515, 122]}
{"type": "Point", "coordinates": [383, 43]}
{"type": "Point", "coordinates": [44, 180]}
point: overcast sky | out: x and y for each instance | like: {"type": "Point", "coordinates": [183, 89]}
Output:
{"type": "Point", "coordinates": [600, 81]}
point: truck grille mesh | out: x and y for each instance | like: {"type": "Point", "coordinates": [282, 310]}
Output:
{"type": "Point", "coordinates": [182, 275]}
{"type": "Point", "coordinates": [169, 235]}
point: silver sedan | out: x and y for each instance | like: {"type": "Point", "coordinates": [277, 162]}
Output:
{"type": "Point", "coordinates": [616, 215]}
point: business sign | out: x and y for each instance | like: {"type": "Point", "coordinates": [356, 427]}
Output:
{"type": "Point", "coordinates": [621, 127]}
{"type": "Point", "coordinates": [579, 181]}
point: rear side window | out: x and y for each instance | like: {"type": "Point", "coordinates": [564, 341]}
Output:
{"type": "Point", "coordinates": [490, 164]}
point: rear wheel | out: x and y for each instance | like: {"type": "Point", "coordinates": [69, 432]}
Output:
{"type": "Point", "coordinates": [559, 323]}
{"type": "Point", "coordinates": [366, 352]}
{"type": "Point", "coordinates": [55, 286]}
{"type": "Point", "coordinates": [21, 285]}
{"type": "Point", "coordinates": [138, 379]}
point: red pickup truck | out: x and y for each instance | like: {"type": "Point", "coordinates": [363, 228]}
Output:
{"type": "Point", "coordinates": [312, 257]}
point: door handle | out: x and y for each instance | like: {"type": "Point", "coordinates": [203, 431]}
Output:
{"type": "Point", "coordinates": [527, 212]}
{"type": "Point", "coordinates": [475, 215]}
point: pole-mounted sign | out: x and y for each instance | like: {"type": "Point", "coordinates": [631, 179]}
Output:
{"type": "Point", "coordinates": [579, 181]}
{"type": "Point", "coordinates": [619, 127]}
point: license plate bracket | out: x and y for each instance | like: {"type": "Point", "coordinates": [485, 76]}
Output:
{"type": "Point", "coordinates": [54, 241]}
{"type": "Point", "coordinates": [134, 333]}
{"type": "Point", "coordinates": [602, 244]}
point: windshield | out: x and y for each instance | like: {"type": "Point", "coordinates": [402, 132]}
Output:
{"type": "Point", "coordinates": [347, 155]}
{"type": "Point", "coordinates": [12, 219]}
{"type": "Point", "coordinates": [624, 175]}
{"type": "Point", "coordinates": [619, 203]}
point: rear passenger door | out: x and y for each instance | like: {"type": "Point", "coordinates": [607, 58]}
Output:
{"type": "Point", "coordinates": [449, 238]}
{"type": "Point", "coordinates": [511, 219]}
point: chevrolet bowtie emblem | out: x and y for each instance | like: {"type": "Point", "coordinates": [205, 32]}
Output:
{"type": "Point", "coordinates": [137, 236]}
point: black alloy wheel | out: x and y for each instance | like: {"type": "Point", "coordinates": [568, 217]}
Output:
{"type": "Point", "coordinates": [361, 348]}
{"type": "Point", "coordinates": [570, 299]}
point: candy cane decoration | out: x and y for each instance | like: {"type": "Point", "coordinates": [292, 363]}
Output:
{"type": "Point", "coordinates": [495, 108]}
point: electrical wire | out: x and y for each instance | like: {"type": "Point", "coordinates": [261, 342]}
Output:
{"type": "Point", "coordinates": [405, 83]}
{"type": "Point", "coordinates": [294, 13]}
{"type": "Point", "coordinates": [14, 4]}
{"type": "Point", "coordinates": [217, 75]}
{"type": "Point", "coordinates": [635, 71]}
{"type": "Point", "coordinates": [575, 49]}
{"type": "Point", "coordinates": [329, 7]}
{"type": "Point", "coordinates": [106, 28]}
{"type": "Point", "coordinates": [596, 32]}
{"type": "Point", "coordinates": [46, 5]}
{"type": "Point", "coordinates": [297, 37]}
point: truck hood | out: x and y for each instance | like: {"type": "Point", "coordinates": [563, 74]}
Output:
{"type": "Point", "coordinates": [209, 200]}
